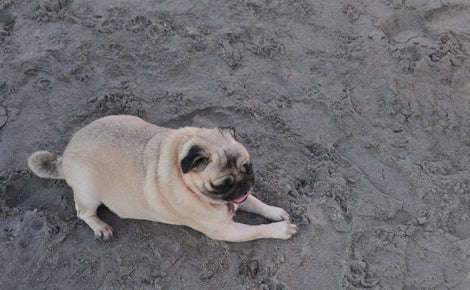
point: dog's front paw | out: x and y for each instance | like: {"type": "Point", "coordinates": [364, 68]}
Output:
{"type": "Point", "coordinates": [285, 230]}
{"type": "Point", "coordinates": [275, 213]}
{"type": "Point", "coordinates": [104, 232]}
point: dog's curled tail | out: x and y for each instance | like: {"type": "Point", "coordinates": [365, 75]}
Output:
{"type": "Point", "coordinates": [45, 164]}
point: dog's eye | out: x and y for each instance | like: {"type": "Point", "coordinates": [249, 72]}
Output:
{"type": "Point", "coordinates": [201, 163]}
{"type": "Point", "coordinates": [224, 185]}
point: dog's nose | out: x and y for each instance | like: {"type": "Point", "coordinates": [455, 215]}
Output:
{"type": "Point", "coordinates": [247, 167]}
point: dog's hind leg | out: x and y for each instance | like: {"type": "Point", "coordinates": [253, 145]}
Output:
{"type": "Point", "coordinates": [86, 205]}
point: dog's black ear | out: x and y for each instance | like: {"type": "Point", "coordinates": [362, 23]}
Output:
{"type": "Point", "coordinates": [195, 159]}
{"type": "Point", "coordinates": [230, 130]}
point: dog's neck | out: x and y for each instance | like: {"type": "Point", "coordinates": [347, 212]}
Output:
{"type": "Point", "coordinates": [231, 206]}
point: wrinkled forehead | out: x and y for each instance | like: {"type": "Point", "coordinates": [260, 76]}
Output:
{"type": "Point", "coordinates": [231, 157]}
{"type": "Point", "coordinates": [225, 146]}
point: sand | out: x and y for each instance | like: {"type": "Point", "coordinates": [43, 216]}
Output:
{"type": "Point", "coordinates": [356, 115]}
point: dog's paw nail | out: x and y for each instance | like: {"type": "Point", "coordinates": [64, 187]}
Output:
{"type": "Point", "coordinates": [104, 233]}
{"type": "Point", "coordinates": [278, 214]}
{"type": "Point", "coordinates": [293, 229]}
{"type": "Point", "coordinates": [287, 230]}
{"type": "Point", "coordinates": [285, 216]}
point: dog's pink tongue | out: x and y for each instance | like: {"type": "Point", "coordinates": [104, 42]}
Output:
{"type": "Point", "coordinates": [242, 198]}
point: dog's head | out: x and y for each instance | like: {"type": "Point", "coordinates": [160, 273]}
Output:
{"type": "Point", "coordinates": [214, 163]}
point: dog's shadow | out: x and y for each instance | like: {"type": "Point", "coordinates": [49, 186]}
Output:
{"type": "Point", "coordinates": [249, 218]}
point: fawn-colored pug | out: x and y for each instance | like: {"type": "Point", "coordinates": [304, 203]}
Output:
{"type": "Point", "coordinates": [188, 176]}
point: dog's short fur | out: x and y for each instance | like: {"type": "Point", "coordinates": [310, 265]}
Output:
{"type": "Point", "coordinates": [189, 176]}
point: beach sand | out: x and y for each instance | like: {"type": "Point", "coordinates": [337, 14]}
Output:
{"type": "Point", "coordinates": [356, 115]}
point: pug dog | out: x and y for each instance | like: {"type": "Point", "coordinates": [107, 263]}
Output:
{"type": "Point", "coordinates": [189, 176]}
